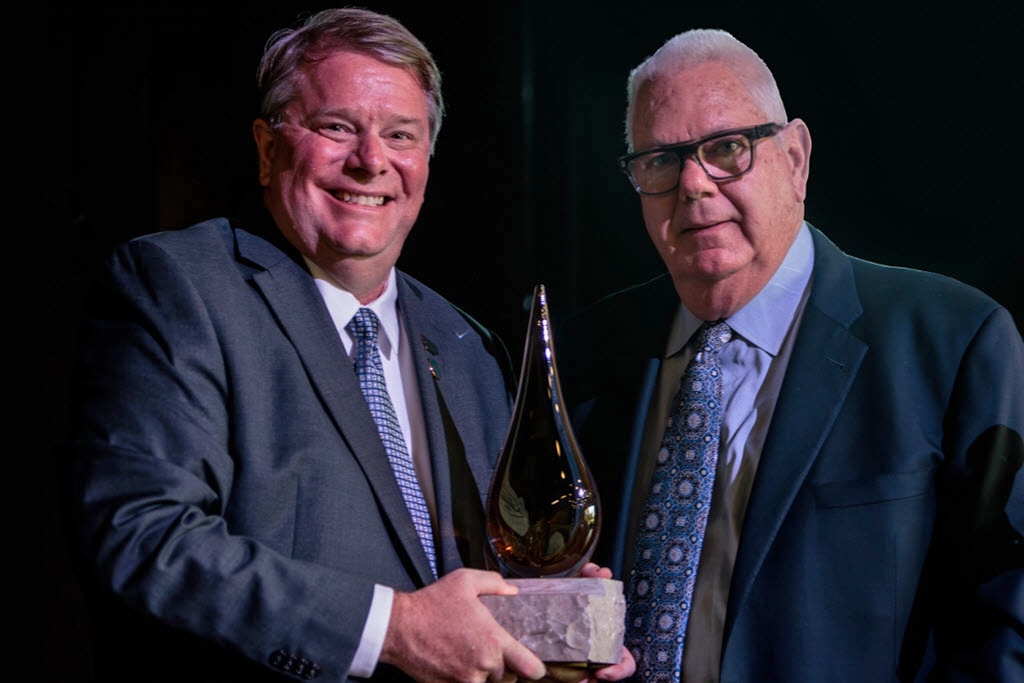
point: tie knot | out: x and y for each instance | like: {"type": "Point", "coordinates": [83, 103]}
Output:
{"type": "Point", "coordinates": [363, 325]}
{"type": "Point", "coordinates": [713, 335]}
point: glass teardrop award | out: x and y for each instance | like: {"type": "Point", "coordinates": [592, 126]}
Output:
{"type": "Point", "coordinates": [543, 517]}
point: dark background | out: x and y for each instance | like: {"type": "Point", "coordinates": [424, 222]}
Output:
{"type": "Point", "coordinates": [146, 110]}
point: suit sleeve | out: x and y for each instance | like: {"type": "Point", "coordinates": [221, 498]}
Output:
{"type": "Point", "coordinates": [153, 469]}
{"type": "Point", "coordinates": [980, 603]}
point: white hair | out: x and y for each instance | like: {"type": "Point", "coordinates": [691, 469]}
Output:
{"type": "Point", "coordinates": [698, 46]}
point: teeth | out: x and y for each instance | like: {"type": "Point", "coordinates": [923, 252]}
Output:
{"type": "Point", "coordinates": [362, 199]}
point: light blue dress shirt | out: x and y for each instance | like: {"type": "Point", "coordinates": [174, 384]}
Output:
{"type": "Point", "coordinates": [753, 363]}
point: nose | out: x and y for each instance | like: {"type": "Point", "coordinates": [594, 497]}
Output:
{"type": "Point", "coordinates": [694, 182]}
{"type": "Point", "coordinates": [368, 156]}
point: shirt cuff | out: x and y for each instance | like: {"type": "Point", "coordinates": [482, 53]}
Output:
{"type": "Point", "coordinates": [372, 640]}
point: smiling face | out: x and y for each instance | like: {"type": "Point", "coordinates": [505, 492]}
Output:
{"type": "Point", "coordinates": [721, 242]}
{"type": "Point", "coordinates": [346, 169]}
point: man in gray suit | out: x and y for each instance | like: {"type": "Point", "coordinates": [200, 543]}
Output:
{"type": "Point", "coordinates": [235, 511]}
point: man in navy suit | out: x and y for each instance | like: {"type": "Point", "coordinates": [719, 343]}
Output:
{"type": "Point", "coordinates": [867, 509]}
{"type": "Point", "coordinates": [236, 515]}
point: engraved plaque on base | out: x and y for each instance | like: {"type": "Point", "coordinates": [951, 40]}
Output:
{"type": "Point", "coordinates": [543, 517]}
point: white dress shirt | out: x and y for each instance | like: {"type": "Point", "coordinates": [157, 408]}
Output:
{"type": "Point", "coordinates": [399, 374]}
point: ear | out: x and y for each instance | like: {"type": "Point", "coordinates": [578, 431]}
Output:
{"type": "Point", "coordinates": [264, 136]}
{"type": "Point", "coordinates": [798, 148]}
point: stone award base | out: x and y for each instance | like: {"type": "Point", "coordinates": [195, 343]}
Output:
{"type": "Point", "coordinates": [565, 621]}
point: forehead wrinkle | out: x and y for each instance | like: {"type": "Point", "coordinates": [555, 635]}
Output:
{"type": "Point", "coordinates": [379, 82]}
{"type": "Point", "coordinates": [680, 107]}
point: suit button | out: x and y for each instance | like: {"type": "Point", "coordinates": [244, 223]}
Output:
{"type": "Point", "coordinates": [289, 663]}
{"type": "Point", "coordinates": [278, 659]}
{"type": "Point", "coordinates": [306, 669]}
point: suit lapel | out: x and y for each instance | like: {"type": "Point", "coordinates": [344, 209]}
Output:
{"type": "Point", "coordinates": [823, 365]}
{"type": "Point", "coordinates": [622, 366]}
{"type": "Point", "coordinates": [438, 365]}
{"type": "Point", "coordinates": [282, 282]}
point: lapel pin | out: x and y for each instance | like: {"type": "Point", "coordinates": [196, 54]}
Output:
{"type": "Point", "coordinates": [432, 363]}
{"type": "Point", "coordinates": [430, 346]}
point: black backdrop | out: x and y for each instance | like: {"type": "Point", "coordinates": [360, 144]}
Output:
{"type": "Point", "coordinates": [913, 115]}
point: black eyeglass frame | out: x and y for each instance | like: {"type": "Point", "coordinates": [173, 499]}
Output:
{"type": "Point", "coordinates": [689, 149]}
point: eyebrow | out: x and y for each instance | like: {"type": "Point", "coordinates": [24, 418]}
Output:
{"type": "Point", "coordinates": [344, 112]}
{"type": "Point", "coordinates": [696, 142]}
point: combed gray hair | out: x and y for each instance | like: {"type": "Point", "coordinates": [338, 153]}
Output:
{"type": "Point", "coordinates": [359, 30]}
{"type": "Point", "coordinates": [698, 46]}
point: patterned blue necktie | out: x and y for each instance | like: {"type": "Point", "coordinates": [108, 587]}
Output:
{"type": "Point", "coordinates": [675, 516]}
{"type": "Point", "coordinates": [363, 327]}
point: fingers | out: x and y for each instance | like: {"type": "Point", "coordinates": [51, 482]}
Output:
{"type": "Point", "coordinates": [505, 677]}
{"type": "Point", "coordinates": [564, 673]}
{"type": "Point", "coordinates": [443, 632]}
{"type": "Point", "coordinates": [480, 582]}
{"type": "Point", "coordinates": [521, 661]}
{"type": "Point", "coordinates": [616, 672]}
{"type": "Point", "coordinates": [592, 571]}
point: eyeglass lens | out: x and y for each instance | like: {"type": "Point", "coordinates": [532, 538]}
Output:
{"type": "Point", "coordinates": [722, 158]}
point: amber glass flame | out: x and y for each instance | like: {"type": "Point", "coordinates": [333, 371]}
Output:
{"type": "Point", "coordinates": [543, 513]}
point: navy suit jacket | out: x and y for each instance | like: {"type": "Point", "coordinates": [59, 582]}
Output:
{"type": "Point", "coordinates": [882, 540]}
{"type": "Point", "coordinates": [227, 478]}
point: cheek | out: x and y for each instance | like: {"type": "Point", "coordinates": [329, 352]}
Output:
{"type": "Point", "coordinates": [657, 215]}
{"type": "Point", "coordinates": [308, 157]}
{"type": "Point", "coordinates": [426, 172]}
{"type": "Point", "coordinates": [763, 197]}
{"type": "Point", "coordinates": [782, 184]}
{"type": "Point", "coordinates": [415, 172]}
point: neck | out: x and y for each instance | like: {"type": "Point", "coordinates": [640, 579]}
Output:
{"type": "Point", "coordinates": [366, 285]}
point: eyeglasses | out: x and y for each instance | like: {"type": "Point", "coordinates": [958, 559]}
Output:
{"type": "Point", "coordinates": [724, 155]}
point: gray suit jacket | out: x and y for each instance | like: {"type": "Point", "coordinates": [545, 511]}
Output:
{"type": "Point", "coordinates": [227, 478]}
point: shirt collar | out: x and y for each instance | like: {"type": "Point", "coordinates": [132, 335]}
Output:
{"type": "Point", "coordinates": [342, 305]}
{"type": "Point", "coordinates": [766, 319]}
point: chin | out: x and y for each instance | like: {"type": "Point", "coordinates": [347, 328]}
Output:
{"type": "Point", "coordinates": [706, 265]}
